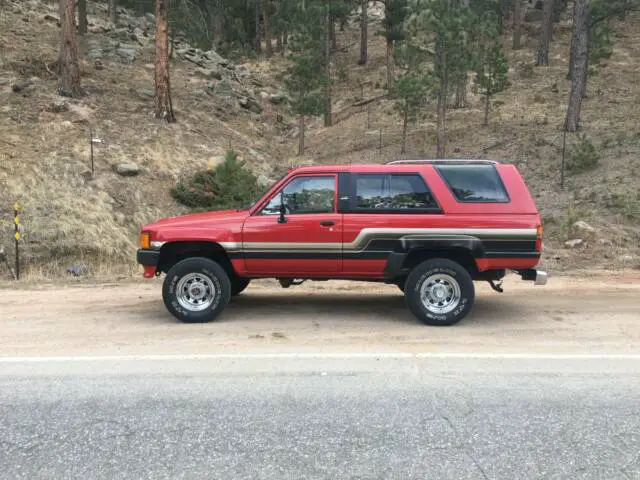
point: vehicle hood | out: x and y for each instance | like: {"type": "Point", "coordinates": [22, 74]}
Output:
{"type": "Point", "coordinates": [220, 226]}
{"type": "Point", "coordinates": [206, 220]}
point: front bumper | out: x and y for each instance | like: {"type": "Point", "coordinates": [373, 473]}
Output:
{"type": "Point", "coordinates": [148, 258]}
{"type": "Point", "coordinates": [539, 277]}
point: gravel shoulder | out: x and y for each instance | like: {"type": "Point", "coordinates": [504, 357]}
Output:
{"type": "Point", "coordinates": [590, 314]}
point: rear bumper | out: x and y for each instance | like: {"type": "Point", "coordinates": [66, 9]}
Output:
{"type": "Point", "coordinates": [539, 277]}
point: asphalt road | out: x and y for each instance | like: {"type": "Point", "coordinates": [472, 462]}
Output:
{"type": "Point", "coordinates": [326, 417]}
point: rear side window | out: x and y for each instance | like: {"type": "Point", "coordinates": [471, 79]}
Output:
{"type": "Point", "coordinates": [474, 183]}
{"type": "Point", "coordinates": [392, 193]}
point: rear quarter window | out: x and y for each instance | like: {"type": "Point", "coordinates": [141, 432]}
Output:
{"type": "Point", "coordinates": [474, 183]}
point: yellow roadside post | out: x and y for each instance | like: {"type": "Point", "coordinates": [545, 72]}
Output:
{"type": "Point", "coordinates": [17, 208]}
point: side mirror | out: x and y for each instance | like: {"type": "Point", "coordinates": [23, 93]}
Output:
{"type": "Point", "coordinates": [283, 209]}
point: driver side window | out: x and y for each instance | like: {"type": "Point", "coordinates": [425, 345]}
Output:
{"type": "Point", "coordinates": [305, 195]}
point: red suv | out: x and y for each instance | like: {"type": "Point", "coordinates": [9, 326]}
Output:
{"type": "Point", "coordinates": [431, 227]}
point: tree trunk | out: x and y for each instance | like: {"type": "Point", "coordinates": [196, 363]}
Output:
{"type": "Point", "coordinates": [279, 43]}
{"type": "Point", "coordinates": [585, 75]}
{"type": "Point", "coordinates": [267, 32]}
{"type": "Point", "coordinates": [404, 129]}
{"type": "Point", "coordinates": [364, 27]}
{"type": "Point", "coordinates": [517, 24]}
{"type": "Point", "coordinates": [558, 7]}
{"type": "Point", "coordinates": [82, 17]}
{"type": "Point", "coordinates": [285, 40]}
{"type": "Point", "coordinates": [443, 94]}
{"type": "Point", "coordinates": [487, 106]}
{"type": "Point", "coordinates": [327, 66]}
{"type": "Point", "coordinates": [390, 65]}
{"type": "Point", "coordinates": [163, 107]}
{"type": "Point", "coordinates": [581, 42]}
{"type": "Point", "coordinates": [440, 132]}
{"type": "Point", "coordinates": [572, 50]}
{"type": "Point", "coordinates": [112, 11]}
{"type": "Point", "coordinates": [545, 34]}
{"type": "Point", "coordinates": [334, 39]}
{"type": "Point", "coordinates": [461, 87]}
{"type": "Point", "coordinates": [257, 41]}
{"type": "Point", "coordinates": [215, 24]}
{"type": "Point", "coordinates": [301, 135]}
{"type": "Point", "coordinates": [68, 61]}
{"type": "Point", "coordinates": [461, 94]}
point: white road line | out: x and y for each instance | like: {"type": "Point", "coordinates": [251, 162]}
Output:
{"type": "Point", "coordinates": [278, 356]}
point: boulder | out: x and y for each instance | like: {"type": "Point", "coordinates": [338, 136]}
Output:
{"type": "Point", "coordinates": [277, 98]}
{"type": "Point", "coordinates": [210, 73]}
{"type": "Point", "coordinates": [78, 270]}
{"type": "Point", "coordinates": [126, 53]}
{"type": "Point", "coordinates": [575, 243]}
{"type": "Point", "coordinates": [127, 169]}
{"type": "Point", "coordinates": [250, 104]}
{"type": "Point", "coordinates": [582, 230]}
{"type": "Point", "coordinates": [59, 106]}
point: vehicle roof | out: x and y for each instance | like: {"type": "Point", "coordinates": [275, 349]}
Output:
{"type": "Point", "coordinates": [391, 166]}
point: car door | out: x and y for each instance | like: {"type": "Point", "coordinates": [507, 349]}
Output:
{"type": "Point", "coordinates": [306, 241]}
{"type": "Point", "coordinates": [384, 207]}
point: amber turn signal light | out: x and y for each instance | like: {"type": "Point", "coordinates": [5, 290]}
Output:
{"type": "Point", "coordinates": [145, 240]}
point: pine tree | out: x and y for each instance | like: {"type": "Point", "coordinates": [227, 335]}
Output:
{"type": "Point", "coordinates": [410, 90]}
{"type": "Point", "coordinates": [69, 69]}
{"type": "Point", "coordinates": [82, 17]}
{"type": "Point", "coordinates": [517, 24]}
{"type": "Point", "coordinates": [305, 77]}
{"type": "Point", "coordinates": [395, 14]}
{"type": "Point", "coordinates": [228, 185]}
{"type": "Point", "coordinates": [163, 106]}
{"type": "Point", "coordinates": [447, 21]}
{"type": "Point", "coordinates": [546, 32]}
{"type": "Point", "coordinates": [491, 73]}
{"type": "Point", "coordinates": [580, 44]}
{"type": "Point", "coordinates": [364, 27]}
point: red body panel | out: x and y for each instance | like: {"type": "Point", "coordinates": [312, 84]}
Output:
{"type": "Point", "coordinates": [248, 235]}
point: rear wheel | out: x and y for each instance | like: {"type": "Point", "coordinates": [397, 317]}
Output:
{"type": "Point", "coordinates": [196, 290]}
{"type": "Point", "coordinates": [439, 292]}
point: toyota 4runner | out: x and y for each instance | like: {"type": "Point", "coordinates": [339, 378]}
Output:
{"type": "Point", "coordinates": [431, 227]}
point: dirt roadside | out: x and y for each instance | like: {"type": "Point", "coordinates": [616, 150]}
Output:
{"type": "Point", "coordinates": [596, 314]}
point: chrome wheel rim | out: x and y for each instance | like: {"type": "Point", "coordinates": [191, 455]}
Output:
{"type": "Point", "coordinates": [440, 293]}
{"type": "Point", "coordinates": [195, 292]}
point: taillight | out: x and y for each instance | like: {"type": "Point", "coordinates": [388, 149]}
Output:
{"type": "Point", "coordinates": [539, 230]}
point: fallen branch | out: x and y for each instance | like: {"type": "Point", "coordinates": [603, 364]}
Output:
{"type": "Point", "coordinates": [498, 144]}
{"type": "Point", "coordinates": [361, 103]}
{"type": "Point", "coordinates": [201, 65]}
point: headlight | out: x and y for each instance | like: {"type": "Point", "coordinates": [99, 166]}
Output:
{"type": "Point", "coordinates": [145, 240]}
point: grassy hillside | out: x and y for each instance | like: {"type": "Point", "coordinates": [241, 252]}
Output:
{"type": "Point", "coordinates": [72, 217]}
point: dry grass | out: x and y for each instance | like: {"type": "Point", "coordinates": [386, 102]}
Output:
{"type": "Point", "coordinates": [73, 218]}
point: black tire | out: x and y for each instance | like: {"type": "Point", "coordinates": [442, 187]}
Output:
{"type": "Point", "coordinates": [238, 284]}
{"type": "Point", "coordinates": [203, 271]}
{"type": "Point", "coordinates": [455, 280]}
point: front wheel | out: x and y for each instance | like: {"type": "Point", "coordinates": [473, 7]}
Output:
{"type": "Point", "coordinates": [439, 292]}
{"type": "Point", "coordinates": [196, 290]}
